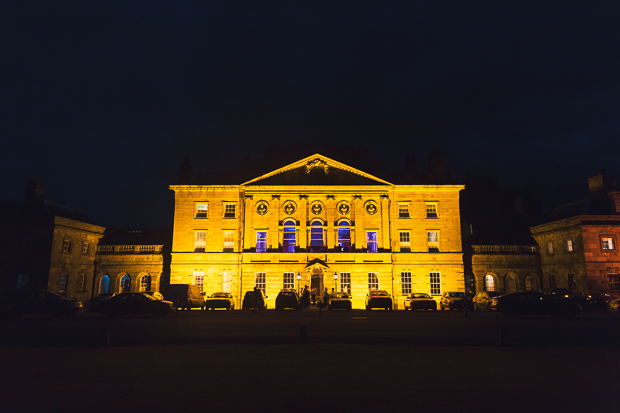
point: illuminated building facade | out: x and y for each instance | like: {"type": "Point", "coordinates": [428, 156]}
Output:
{"type": "Point", "coordinates": [322, 224]}
{"type": "Point", "coordinates": [579, 245]}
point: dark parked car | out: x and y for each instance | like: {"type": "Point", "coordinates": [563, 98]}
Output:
{"type": "Point", "coordinates": [220, 300]}
{"type": "Point", "coordinates": [420, 301]}
{"type": "Point", "coordinates": [185, 296]}
{"type": "Point", "coordinates": [455, 300]}
{"type": "Point", "coordinates": [484, 300]}
{"type": "Point", "coordinates": [288, 299]}
{"type": "Point", "coordinates": [254, 299]}
{"type": "Point", "coordinates": [93, 303]}
{"type": "Point", "coordinates": [534, 302]}
{"type": "Point", "coordinates": [341, 301]}
{"type": "Point", "coordinates": [19, 302]}
{"type": "Point", "coordinates": [135, 303]}
{"type": "Point", "coordinates": [378, 299]}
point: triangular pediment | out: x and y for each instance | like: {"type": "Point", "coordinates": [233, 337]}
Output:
{"type": "Point", "coordinates": [317, 170]}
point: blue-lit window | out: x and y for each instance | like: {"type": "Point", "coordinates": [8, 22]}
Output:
{"type": "Point", "coordinates": [344, 236]}
{"type": "Point", "coordinates": [371, 241]}
{"type": "Point", "coordinates": [316, 236]}
{"type": "Point", "coordinates": [104, 285]}
{"type": "Point", "coordinates": [288, 241]}
{"type": "Point", "coordinates": [125, 284]}
{"type": "Point", "coordinates": [145, 283]}
{"type": "Point", "coordinates": [261, 241]}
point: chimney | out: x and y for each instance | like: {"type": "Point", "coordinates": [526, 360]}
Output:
{"type": "Point", "coordinates": [614, 199]}
{"type": "Point", "coordinates": [35, 192]}
{"type": "Point", "coordinates": [599, 183]}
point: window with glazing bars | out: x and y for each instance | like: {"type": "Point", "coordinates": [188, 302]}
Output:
{"type": "Point", "coordinates": [201, 240]}
{"type": "Point", "coordinates": [229, 210]}
{"type": "Point", "coordinates": [373, 281]}
{"type": "Point", "coordinates": [229, 241]}
{"type": "Point", "coordinates": [405, 282]}
{"type": "Point", "coordinates": [435, 279]}
{"type": "Point", "coordinates": [260, 281]}
{"type": "Point", "coordinates": [345, 282]}
{"type": "Point", "coordinates": [261, 241]}
{"type": "Point", "coordinates": [289, 281]}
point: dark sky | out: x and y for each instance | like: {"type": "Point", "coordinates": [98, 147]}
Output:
{"type": "Point", "coordinates": [102, 100]}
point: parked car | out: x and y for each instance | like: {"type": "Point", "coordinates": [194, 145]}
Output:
{"type": "Point", "coordinates": [341, 301]}
{"type": "Point", "coordinates": [185, 296]}
{"type": "Point", "coordinates": [612, 303]}
{"type": "Point", "coordinates": [534, 302]}
{"type": "Point", "coordinates": [484, 300]}
{"type": "Point", "coordinates": [288, 299]}
{"type": "Point", "coordinates": [155, 294]}
{"type": "Point", "coordinates": [420, 301]}
{"type": "Point", "coordinates": [254, 299]}
{"type": "Point", "coordinates": [455, 300]}
{"type": "Point", "coordinates": [220, 300]}
{"type": "Point", "coordinates": [19, 302]}
{"type": "Point", "coordinates": [378, 299]}
{"type": "Point", "coordinates": [135, 303]}
{"type": "Point", "coordinates": [94, 302]}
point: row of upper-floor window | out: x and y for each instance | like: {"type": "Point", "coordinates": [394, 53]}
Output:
{"type": "Point", "coordinates": [608, 243]}
{"type": "Point", "coordinates": [201, 209]}
{"type": "Point", "coordinates": [67, 246]}
{"type": "Point", "coordinates": [317, 242]}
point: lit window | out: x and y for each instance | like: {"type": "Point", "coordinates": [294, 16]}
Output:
{"type": "Point", "coordinates": [229, 241]}
{"type": "Point", "coordinates": [344, 236]}
{"type": "Point", "coordinates": [431, 210]}
{"type": "Point", "coordinates": [104, 284]}
{"type": "Point", "coordinates": [405, 243]}
{"type": "Point", "coordinates": [199, 279]}
{"type": "Point", "coordinates": [260, 281]}
{"type": "Point", "coordinates": [288, 242]}
{"type": "Point", "coordinates": [85, 246]}
{"type": "Point", "coordinates": [433, 241]}
{"type": "Point", "coordinates": [489, 283]}
{"type": "Point", "coordinates": [125, 284]}
{"type": "Point", "coordinates": [145, 283]}
{"type": "Point", "coordinates": [613, 282]}
{"type": "Point", "coordinates": [261, 241]}
{"type": "Point", "coordinates": [62, 286]}
{"type": "Point", "coordinates": [568, 244]}
{"type": "Point", "coordinates": [405, 282]}
{"type": "Point", "coordinates": [229, 210]}
{"type": "Point", "coordinates": [289, 281]}
{"type": "Point", "coordinates": [82, 282]}
{"type": "Point", "coordinates": [316, 236]}
{"type": "Point", "coordinates": [373, 281]}
{"type": "Point", "coordinates": [371, 241]}
{"type": "Point", "coordinates": [345, 282]}
{"type": "Point", "coordinates": [550, 248]}
{"type": "Point", "coordinates": [202, 210]}
{"type": "Point", "coordinates": [435, 280]}
{"type": "Point", "coordinates": [608, 244]}
{"type": "Point", "coordinates": [403, 210]}
{"type": "Point", "coordinates": [201, 241]}
{"type": "Point", "coordinates": [531, 283]}
{"type": "Point", "coordinates": [66, 245]}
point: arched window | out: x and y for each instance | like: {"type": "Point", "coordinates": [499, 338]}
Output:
{"type": "Point", "coordinates": [531, 283]}
{"type": "Point", "coordinates": [104, 284]}
{"type": "Point", "coordinates": [511, 284]}
{"type": "Point", "coordinates": [316, 236]}
{"type": "Point", "coordinates": [489, 283]}
{"type": "Point", "coordinates": [344, 236]}
{"type": "Point", "coordinates": [288, 242]}
{"type": "Point", "coordinates": [125, 284]}
{"type": "Point", "coordinates": [145, 283]}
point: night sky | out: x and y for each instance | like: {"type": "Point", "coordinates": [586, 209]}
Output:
{"type": "Point", "coordinates": [102, 100]}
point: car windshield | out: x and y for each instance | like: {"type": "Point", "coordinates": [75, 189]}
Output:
{"type": "Point", "coordinates": [420, 295]}
{"type": "Point", "coordinates": [457, 295]}
{"type": "Point", "coordinates": [219, 295]}
{"type": "Point", "coordinates": [381, 293]}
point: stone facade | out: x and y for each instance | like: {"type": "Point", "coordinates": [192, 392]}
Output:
{"type": "Point", "coordinates": [574, 256]}
{"type": "Point", "coordinates": [320, 223]}
{"type": "Point", "coordinates": [506, 268]}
